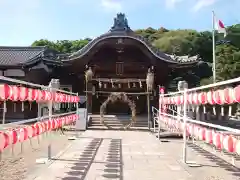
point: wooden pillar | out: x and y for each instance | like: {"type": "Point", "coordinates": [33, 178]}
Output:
{"type": "Point", "coordinates": [89, 96]}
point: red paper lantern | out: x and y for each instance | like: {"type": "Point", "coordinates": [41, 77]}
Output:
{"type": "Point", "coordinates": [201, 135]}
{"type": "Point", "coordinates": [195, 98]}
{"type": "Point", "coordinates": [4, 141]}
{"type": "Point", "coordinates": [216, 97]}
{"type": "Point", "coordinates": [202, 98]}
{"type": "Point", "coordinates": [236, 93]}
{"type": "Point", "coordinates": [4, 92]}
{"type": "Point", "coordinates": [210, 97]}
{"type": "Point", "coordinates": [56, 97]}
{"type": "Point", "coordinates": [30, 94]}
{"type": "Point", "coordinates": [43, 96]}
{"type": "Point", "coordinates": [229, 95]}
{"type": "Point", "coordinates": [228, 143]}
{"type": "Point", "coordinates": [39, 96]}
{"type": "Point", "coordinates": [23, 134]}
{"type": "Point", "coordinates": [14, 93]}
{"type": "Point", "coordinates": [209, 136]}
{"type": "Point", "coordinates": [35, 130]}
{"type": "Point", "coordinates": [30, 131]}
{"type": "Point", "coordinates": [217, 140]}
{"type": "Point", "coordinates": [13, 136]}
{"type": "Point", "coordinates": [23, 93]}
{"type": "Point", "coordinates": [35, 94]}
{"type": "Point", "coordinates": [49, 96]}
{"type": "Point", "coordinates": [237, 147]}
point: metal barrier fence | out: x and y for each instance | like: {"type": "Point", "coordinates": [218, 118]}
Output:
{"type": "Point", "coordinates": [22, 91]}
{"type": "Point", "coordinates": [202, 101]}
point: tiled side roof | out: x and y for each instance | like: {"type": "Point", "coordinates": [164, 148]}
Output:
{"type": "Point", "coordinates": [18, 55]}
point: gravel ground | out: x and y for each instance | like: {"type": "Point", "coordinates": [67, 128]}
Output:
{"type": "Point", "coordinates": [15, 165]}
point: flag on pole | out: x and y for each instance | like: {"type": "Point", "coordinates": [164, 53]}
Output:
{"type": "Point", "coordinates": [219, 26]}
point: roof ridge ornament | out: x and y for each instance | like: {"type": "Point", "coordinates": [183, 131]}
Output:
{"type": "Point", "coordinates": [120, 23]}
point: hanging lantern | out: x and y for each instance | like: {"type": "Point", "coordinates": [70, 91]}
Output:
{"type": "Point", "coordinates": [150, 80]}
{"type": "Point", "coordinates": [222, 100]}
{"type": "Point", "coordinates": [23, 95]}
{"type": "Point", "coordinates": [140, 83]}
{"type": "Point", "coordinates": [211, 101]}
{"type": "Point", "coordinates": [4, 95]}
{"type": "Point", "coordinates": [61, 97]}
{"type": "Point", "coordinates": [14, 93]}
{"type": "Point", "coordinates": [100, 84]}
{"type": "Point", "coordinates": [202, 98]}
{"type": "Point", "coordinates": [89, 74]}
{"type": "Point", "coordinates": [195, 98]}
{"type": "Point", "coordinates": [49, 96]}
{"type": "Point", "coordinates": [161, 90]}
{"type": "Point", "coordinates": [119, 85]}
{"type": "Point", "coordinates": [236, 93]}
{"type": "Point", "coordinates": [229, 98]}
{"type": "Point", "coordinates": [43, 92]}
{"type": "Point", "coordinates": [4, 92]}
{"type": "Point", "coordinates": [35, 94]}
{"type": "Point", "coordinates": [134, 85]}
{"type": "Point", "coordinates": [216, 97]}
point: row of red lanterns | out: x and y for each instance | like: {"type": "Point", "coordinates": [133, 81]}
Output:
{"type": "Point", "coordinates": [218, 139]}
{"type": "Point", "coordinates": [221, 96]}
{"type": "Point", "coordinates": [19, 93]}
{"type": "Point", "coordinates": [13, 136]}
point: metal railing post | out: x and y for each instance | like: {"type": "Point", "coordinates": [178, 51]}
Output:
{"type": "Point", "coordinates": [50, 106]}
{"type": "Point", "coordinates": [185, 126]}
{"type": "Point", "coordinates": [159, 113]}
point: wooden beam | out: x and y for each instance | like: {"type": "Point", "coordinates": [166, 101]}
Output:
{"type": "Point", "coordinates": [114, 80]}
{"type": "Point", "coordinates": [109, 92]}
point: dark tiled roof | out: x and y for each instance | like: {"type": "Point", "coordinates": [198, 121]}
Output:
{"type": "Point", "coordinates": [19, 55]}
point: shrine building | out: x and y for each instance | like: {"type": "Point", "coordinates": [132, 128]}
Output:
{"type": "Point", "coordinates": [119, 60]}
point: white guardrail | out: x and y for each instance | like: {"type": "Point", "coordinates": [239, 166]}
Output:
{"type": "Point", "coordinates": [14, 133]}
{"type": "Point", "coordinates": [211, 99]}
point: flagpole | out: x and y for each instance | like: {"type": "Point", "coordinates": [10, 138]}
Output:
{"type": "Point", "coordinates": [214, 47]}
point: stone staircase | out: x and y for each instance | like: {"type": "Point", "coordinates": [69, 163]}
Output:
{"type": "Point", "coordinates": [118, 122]}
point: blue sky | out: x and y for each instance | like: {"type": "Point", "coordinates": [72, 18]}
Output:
{"type": "Point", "coordinates": [23, 21]}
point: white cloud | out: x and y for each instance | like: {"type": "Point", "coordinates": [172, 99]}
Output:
{"type": "Point", "coordinates": [112, 5]}
{"type": "Point", "coordinates": [202, 4]}
{"type": "Point", "coordinates": [170, 4]}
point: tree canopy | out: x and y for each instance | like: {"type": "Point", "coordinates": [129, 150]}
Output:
{"type": "Point", "coordinates": [181, 42]}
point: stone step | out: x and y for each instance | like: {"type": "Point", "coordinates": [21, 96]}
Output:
{"type": "Point", "coordinates": [115, 119]}
{"type": "Point", "coordinates": [119, 125]}
{"type": "Point", "coordinates": [117, 128]}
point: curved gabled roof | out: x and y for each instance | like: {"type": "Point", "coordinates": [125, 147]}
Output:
{"type": "Point", "coordinates": [120, 29]}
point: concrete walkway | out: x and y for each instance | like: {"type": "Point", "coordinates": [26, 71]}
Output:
{"type": "Point", "coordinates": [130, 155]}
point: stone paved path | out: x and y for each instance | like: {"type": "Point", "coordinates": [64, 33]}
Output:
{"type": "Point", "coordinates": [129, 155]}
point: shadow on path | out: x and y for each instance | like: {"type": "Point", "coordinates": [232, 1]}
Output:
{"type": "Point", "coordinates": [114, 163]}
{"type": "Point", "coordinates": [81, 167]}
{"type": "Point", "coordinates": [213, 158]}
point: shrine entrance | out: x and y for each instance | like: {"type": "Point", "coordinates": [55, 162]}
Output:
{"type": "Point", "coordinates": [119, 107]}
{"type": "Point", "coordinates": [115, 98]}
